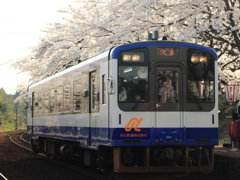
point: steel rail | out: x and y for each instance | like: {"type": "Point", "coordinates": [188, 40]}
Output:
{"type": "Point", "coordinates": [21, 137]}
{"type": "Point", "coordinates": [3, 177]}
{"type": "Point", "coordinates": [17, 143]}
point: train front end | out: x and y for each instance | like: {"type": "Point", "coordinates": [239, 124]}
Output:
{"type": "Point", "coordinates": [163, 107]}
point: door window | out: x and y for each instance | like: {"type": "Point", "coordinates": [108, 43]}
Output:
{"type": "Point", "coordinates": [94, 93]}
{"type": "Point", "coordinates": [167, 87]}
{"type": "Point", "coordinates": [52, 100]}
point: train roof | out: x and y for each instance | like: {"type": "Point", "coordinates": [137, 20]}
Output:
{"type": "Point", "coordinates": [72, 68]}
{"type": "Point", "coordinates": [118, 49]}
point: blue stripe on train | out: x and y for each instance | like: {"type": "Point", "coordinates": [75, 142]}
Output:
{"type": "Point", "coordinates": [120, 137]}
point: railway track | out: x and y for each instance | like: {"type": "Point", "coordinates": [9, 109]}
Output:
{"type": "Point", "coordinates": [21, 138]}
{"type": "Point", "coordinates": [31, 166]}
{"type": "Point", "coordinates": [88, 172]}
{"type": "Point", "coordinates": [3, 177]}
{"type": "Point", "coordinates": [18, 137]}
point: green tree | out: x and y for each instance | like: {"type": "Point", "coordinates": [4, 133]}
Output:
{"type": "Point", "coordinates": [19, 110]}
{"type": "Point", "coordinates": [6, 105]}
{"type": "Point", "coordinates": [10, 112]}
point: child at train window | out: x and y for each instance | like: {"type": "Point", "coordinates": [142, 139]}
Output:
{"type": "Point", "coordinates": [233, 132]}
{"type": "Point", "coordinates": [167, 90]}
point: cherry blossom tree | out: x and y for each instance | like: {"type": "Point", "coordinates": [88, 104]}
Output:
{"type": "Point", "coordinates": [98, 25]}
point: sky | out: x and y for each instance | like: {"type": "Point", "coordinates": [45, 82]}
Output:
{"type": "Point", "coordinates": [21, 22]}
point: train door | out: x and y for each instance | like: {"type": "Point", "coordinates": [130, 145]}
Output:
{"type": "Point", "coordinates": [168, 101]}
{"type": "Point", "coordinates": [94, 103]}
{"type": "Point", "coordinates": [32, 111]}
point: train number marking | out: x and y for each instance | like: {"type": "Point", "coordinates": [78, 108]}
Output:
{"type": "Point", "coordinates": [133, 123]}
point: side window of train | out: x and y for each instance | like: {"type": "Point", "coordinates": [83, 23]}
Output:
{"type": "Point", "coordinates": [104, 89]}
{"type": "Point", "coordinates": [66, 98]}
{"type": "Point", "coordinates": [51, 101]}
{"type": "Point", "coordinates": [77, 96]}
{"type": "Point", "coordinates": [46, 101]}
{"type": "Point", "coordinates": [59, 99]}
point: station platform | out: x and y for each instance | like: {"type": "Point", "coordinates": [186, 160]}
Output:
{"type": "Point", "coordinates": [225, 153]}
{"type": "Point", "coordinates": [227, 163]}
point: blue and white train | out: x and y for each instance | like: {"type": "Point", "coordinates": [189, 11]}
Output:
{"type": "Point", "coordinates": [143, 107]}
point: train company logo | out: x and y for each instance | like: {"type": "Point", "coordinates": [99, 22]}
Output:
{"type": "Point", "coordinates": [133, 123]}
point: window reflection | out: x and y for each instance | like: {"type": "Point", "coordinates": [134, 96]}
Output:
{"type": "Point", "coordinates": [201, 91]}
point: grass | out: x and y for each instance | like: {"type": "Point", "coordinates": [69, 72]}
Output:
{"type": "Point", "coordinates": [10, 127]}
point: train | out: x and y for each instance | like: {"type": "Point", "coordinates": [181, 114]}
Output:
{"type": "Point", "coordinates": [144, 107]}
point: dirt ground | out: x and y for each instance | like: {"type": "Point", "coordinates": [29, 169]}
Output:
{"type": "Point", "coordinates": [19, 164]}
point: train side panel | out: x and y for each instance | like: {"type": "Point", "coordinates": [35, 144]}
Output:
{"type": "Point", "coordinates": [69, 120]}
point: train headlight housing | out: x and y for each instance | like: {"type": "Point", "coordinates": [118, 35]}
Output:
{"type": "Point", "coordinates": [136, 58]}
{"type": "Point", "coordinates": [197, 58]}
{"type": "Point", "coordinates": [127, 57]}
{"type": "Point", "coordinates": [194, 59]}
{"type": "Point", "coordinates": [202, 59]}
{"type": "Point", "coordinates": [133, 57]}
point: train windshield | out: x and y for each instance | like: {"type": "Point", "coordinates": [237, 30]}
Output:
{"type": "Point", "coordinates": [133, 76]}
{"type": "Point", "coordinates": [133, 83]}
{"type": "Point", "coordinates": [200, 76]}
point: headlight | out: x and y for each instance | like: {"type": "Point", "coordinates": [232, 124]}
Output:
{"type": "Point", "coordinates": [194, 59]}
{"type": "Point", "coordinates": [203, 59]}
{"type": "Point", "coordinates": [133, 57]}
{"type": "Point", "coordinates": [136, 58]}
{"type": "Point", "coordinates": [197, 58]}
{"type": "Point", "coordinates": [126, 57]}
